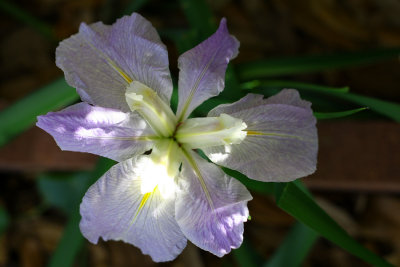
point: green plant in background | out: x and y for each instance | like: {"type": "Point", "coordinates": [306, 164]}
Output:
{"type": "Point", "coordinates": [253, 76]}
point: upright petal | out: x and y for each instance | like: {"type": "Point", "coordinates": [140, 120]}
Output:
{"type": "Point", "coordinates": [211, 207]}
{"type": "Point", "coordinates": [115, 208]}
{"type": "Point", "coordinates": [102, 131]}
{"type": "Point", "coordinates": [101, 61]}
{"type": "Point", "coordinates": [281, 143]}
{"type": "Point", "coordinates": [202, 70]}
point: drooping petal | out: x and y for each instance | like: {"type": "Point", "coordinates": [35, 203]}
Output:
{"type": "Point", "coordinates": [211, 207]}
{"type": "Point", "coordinates": [102, 131]}
{"type": "Point", "coordinates": [281, 143]}
{"type": "Point", "coordinates": [202, 70]}
{"type": "Point", "coordinates": [115, 208]}
{"type": "Point", "coordinates": [101, 61]}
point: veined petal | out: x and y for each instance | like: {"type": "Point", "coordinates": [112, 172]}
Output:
{"type": "Point", "coordinates": [102, 131]}
{"type": "Point", "coordinates": [211, 207]}
{"type": "Point", "coordinates": [101, 61]}
{"type": "Point", "coordinates": [202, 70]}
{"type": "Point", "coordinates": [281, 143]}
{"type": "Point", "coordinates": [116, 208]}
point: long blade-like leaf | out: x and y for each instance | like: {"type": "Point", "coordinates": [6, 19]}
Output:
{"type": "Point", "coordinates": [4, 220]}
{"type": "Point", "coordinates": [297, 203]}
{"type": "Point", "coordinates": [314, 63]}
{"type": "Point", "coordinates": [254, 84]}
{"type": "Point", "coordinates": [22, 114]}
{"type": "Point", "coordinates": [199, 16]}
{"type": "Point", "coordinates": [72, 239]}
{"type": "Point", "coordinates": [386, 108]}
{"type": "Point", "coordinates": [294, 248]}
{"type": "Point", "coordinates": [246, 256]}
{"type": "Point", "coordinates": [335, 115]}
{"type": "Point", "coordinates": [28, 19]}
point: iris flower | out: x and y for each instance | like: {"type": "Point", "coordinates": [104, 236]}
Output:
{"type": "Point", "coordinates": [161, 193]}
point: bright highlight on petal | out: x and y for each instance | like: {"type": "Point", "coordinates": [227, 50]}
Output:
{"type": "Point", "coordinates": [162, 192]}
{"type": "Point", "coordinates": [211, 131]}
{"type": "Point", "coordinates": [160, 168]}
{"type": "Point", "coordinates": [151, 107]}
{"type": "Point", "coordinates": [154, 175]}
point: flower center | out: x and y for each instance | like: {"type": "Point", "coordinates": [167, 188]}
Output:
{"type": "Point", "coordinates": [160, 168]}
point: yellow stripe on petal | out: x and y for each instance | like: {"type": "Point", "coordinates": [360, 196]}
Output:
{"type": "Point", "coordinates": [110, 62]}
{"type": "Point", "coordinates": [142, 203]}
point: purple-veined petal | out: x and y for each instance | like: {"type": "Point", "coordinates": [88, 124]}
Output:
{"type": "Point", "coordinates": [281, 143]}
{"type": "Point", "coordinates": [115, 208]}
{"type": "Point", "coordinates": [106, 132]}
{"type": "Point", "coordinates": [202, 70]}
{"type": "Point", "coordinates": [101, 60]}
{"type": "Point", "coordinates": [211, 207]}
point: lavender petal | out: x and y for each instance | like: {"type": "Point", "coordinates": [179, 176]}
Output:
{"type": "Point", "coordinates": [211, 206]}
{"type": "Point", "coordinates": [281, 143]}
{"type": "Point", "coordinates": [115, 208]}
{"type": "Point", "coordinates": [102, 131]}
{"type": "Point", "coordinates": [101, 60]}
{"type": "Point", "coordinates": [202, 70]}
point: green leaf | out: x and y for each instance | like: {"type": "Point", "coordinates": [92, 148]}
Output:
{"type": "Point", "coordinates": [292, 199]}
{"type": "Point", "coordinates": [70, 244]}
{"type": "Point", "coordinates": [4, 220]}
{"type": "Point", "coordinates": [202, 20]}
{"type": "Point", "coordinates": [246, 256]}
{"type": "Point", "coordinates": [294, 248]}
{"type": "Point", "coordinates": [251, 85]}
{"type": "Point", "coordinates": [200, 17]}
{"type": "Point", "coordinates": [21, 115]}
{"type": "Point", "coordinates": [386, 108]}
{"type": "Point", "coordinates": [339, 114]}
{"type": "Point", "coordinates": [133, 6]}
{"type": "Point", "coordinates": [26, 18]}
{"type": "Point", "coordinates": [63, 190]}
{"type": "Point", "coordinates": [313, 63]}
{"type": "Point", "coordinates": [72, 240]}
{"type": "Point", "coordinates": [253, 185]}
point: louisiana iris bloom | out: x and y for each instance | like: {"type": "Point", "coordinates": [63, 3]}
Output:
{"type": "Point", "coordinates": [158, 200]}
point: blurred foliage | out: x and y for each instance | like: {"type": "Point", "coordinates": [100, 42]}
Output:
{"type": "Point", "coordinates": [65, 191]}
{"type": "Point", "coordinates": [4, 220]}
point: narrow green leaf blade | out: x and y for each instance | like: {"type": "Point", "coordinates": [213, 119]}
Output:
{"type": "Point", "coordinates": [252, 185]}
{"type": "Point", "coordinates": [22, 114]}
{"type": "Point", "coordinates": [314, 63]}
{"type": "Point", "coordinates": [4, 220]}
{"type": "Point", "coordinates": [294, 201]}
{"type": "Point", "coordinates": [335, 115]}
{"type": "Point", "coordinates": [70, 244]}
{"type": "Point", "coordinates": [254, 84]}
{"type": "Point", "coordinates": [26, 18]}
{"type": "Point", "coordinates": [133, 6]}
{"type": "Point", "coordinates": [63, 190]}
{"type": "Point", "coordinates": [245, 255]}
{"type": "Point", "coordinates": [199, 16]}
{"type": "Point", "coordinates": [72, 240]}
{"type": "Point", "coordinates": [386, 108]}
{"type": "Point", "coordinates": [295, 247]}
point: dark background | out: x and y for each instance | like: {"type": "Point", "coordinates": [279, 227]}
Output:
{"type": "Point", "coordinates": [357, 181]}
